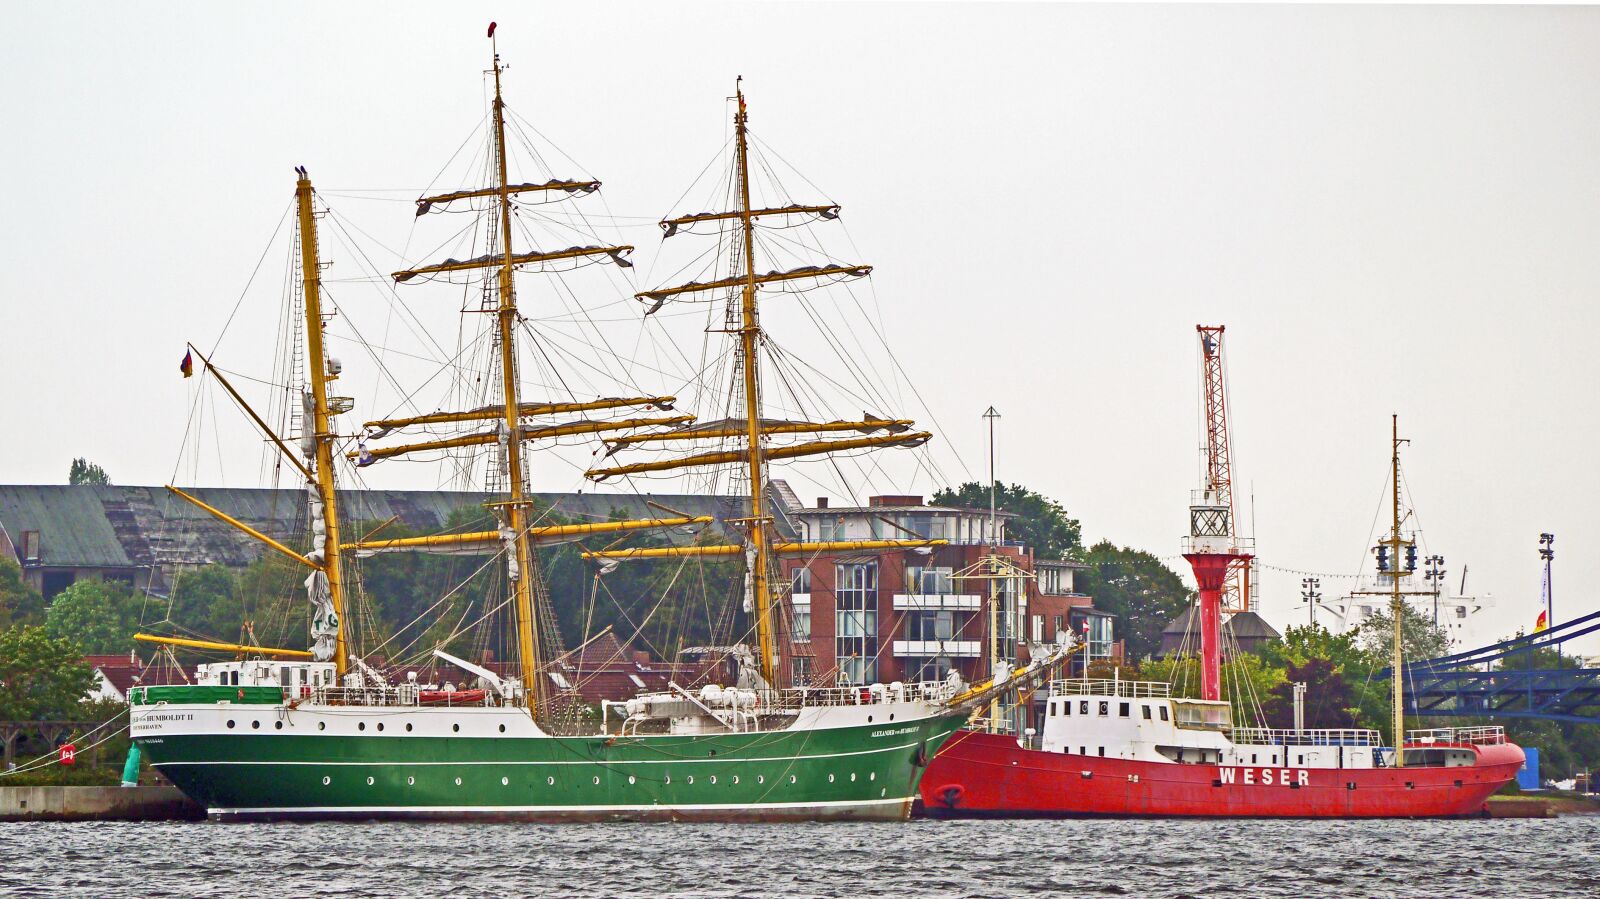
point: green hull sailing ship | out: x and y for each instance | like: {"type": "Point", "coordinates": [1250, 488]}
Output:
{"type": "Point", "coordinates": [281, 734]}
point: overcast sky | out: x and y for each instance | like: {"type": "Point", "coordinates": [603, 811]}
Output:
{"type": "Point", "coordinates": [1392, 210]}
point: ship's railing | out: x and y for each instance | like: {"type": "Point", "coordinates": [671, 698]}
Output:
{"type": "Point", "coordinates": [1135, 689]}
{"type": "Point", "coordinates": [1337, 736]}
{"type": "Point", "coordinates": [1486, 735]}
{"type": "Point", "coordinates": [874, 694]}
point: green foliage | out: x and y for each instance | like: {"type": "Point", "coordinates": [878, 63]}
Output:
{"type": "Point", "coordinates": [1142, 592]}
{"type": "Point", "coordinates": [1329, 702]}
{"type": "Point", "coordinates": [206, 599]}
{"type": "Point", "coordinates": [1350, 669]}
{"type": "Point", "coordinates": [19, 602]}
{"type": "Point", "coordinates": [1420, 638]}
{"type": "Point", "coordinates": [85, 472]}
{"type": "Point", "coordinates": [41, 677]}
{"type": "Point", "coordinates": [1041, 523]}
{"type": "Point", "coordinates": [97, 616]}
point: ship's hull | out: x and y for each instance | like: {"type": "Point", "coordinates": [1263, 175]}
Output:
{"type": "Point", "coordinates": [978, 774]}
{"type": "Point", "coordinates": [334, 764]}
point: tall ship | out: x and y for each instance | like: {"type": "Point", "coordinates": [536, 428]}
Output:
{"type": "Point", "coordinates": [334, 732]}
{"type": "Point", "coordinates": [1140, 748]}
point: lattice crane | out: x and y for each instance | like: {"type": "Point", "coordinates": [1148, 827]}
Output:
{"type": "Point", "coordinates": [1218, 475]}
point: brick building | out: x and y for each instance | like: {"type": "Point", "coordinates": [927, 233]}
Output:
{"type": "Point", "coordinates": [918, 614]}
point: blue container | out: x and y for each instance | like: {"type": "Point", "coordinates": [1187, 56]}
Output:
{"type": "Point", "coordinates": [1528, 775]}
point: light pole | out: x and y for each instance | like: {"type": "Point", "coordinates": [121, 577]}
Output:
{"type": "Point", "coordinates": [1434, 575]}
{"type": "Point", "coordinates": [1547, 543]}
{"type": "Point", "coordinates": [1308, 590]}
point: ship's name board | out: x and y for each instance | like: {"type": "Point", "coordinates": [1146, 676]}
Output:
{"type": "Point", "coordinates": [1265, 777]}
{"type": "Point", "coordinates": [150, 721]}
{"type": "Point", "coordinates": [893, 733]}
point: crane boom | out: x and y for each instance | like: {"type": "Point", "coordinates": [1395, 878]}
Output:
{"type": "Point", "coordinates": [1218, 474]}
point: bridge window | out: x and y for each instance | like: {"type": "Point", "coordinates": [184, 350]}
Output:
{"type": "Point", "coordinates": [1164, 713]}
{"type": "Point", "coordinates": [1083, 707]}
{"type": "Point", "coordinates": [1146, 707]}
{"type": "Point", "coordinates": [1105, 709]}
{"type": "Point", "coordinates": [1123, 709]}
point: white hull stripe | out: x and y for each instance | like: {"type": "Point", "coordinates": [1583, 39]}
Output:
{"type": "Point", "coordinates": [501, 809]}
{"type": "Point", "coordinates": [587, 762]}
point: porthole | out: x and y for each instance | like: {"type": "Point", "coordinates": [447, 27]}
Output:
{"type": "Point", "coordinates": [882, 792]}
{"type": "Point", "coordinates": [369, 781]}
{"type": "Point", "coordinates": [891, 716]}
{"type": "Point", "coordinates": [597, 781]}
{"type": "Point", "coordinates": [278, 725]}
{"type": "Point", "coordinates": [869, 719]}
{"type": "Point", "coordinates": [852, 777]}
{"type": "Point", "coordinates": [230, 723]}
{"type": "Point", "coordinates": [630, 780]}
{"type": "Point", "coordinates": [791, 778]}
{"type": "Point", "coordinates": [691, 778]}
{"type": "Point", "coordinates": [667, 779]}
{"type": "Point", "coordinates": [380, 725]}
{"type": "Point", "coordinates": [458, 781]}
{"type": "Point", "coordinates": [256, 724]}
{"type": "Point", "coordinates": [713, 778]}
{"type": "Point", "coordinates": [361, 725]}
{"type": "Point", "coordinates": [872, 776]}
{"type": "Point", "coordinates": [411, 781]}
{"type": "Point", "coordinates": [326, 780]}
{"type": "Point", "coordinates": [761, 778]}
{"type": "Point", "coordinates": [321, 725]}
{"type": "Point", "coordinates": [408, 727]}
{"type": "Point", "coordinates": [456, 728]}
{"type": "Point", "coordinates": [736, 778]}
{"type": "Point", "coordinates": [550, 780]}
{"type": "Point", "coordinates": [505, 781]}
{"type": "Point", "coordinates": [830, 778]}
{"type": "Point", "coordinates": [502, 728]}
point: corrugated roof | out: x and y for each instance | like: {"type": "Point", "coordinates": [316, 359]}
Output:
{"type": "Point", "coordinates": [134, 527]}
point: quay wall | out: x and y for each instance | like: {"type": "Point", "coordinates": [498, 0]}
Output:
{"type": "Point", "coordinates": [97, 804]}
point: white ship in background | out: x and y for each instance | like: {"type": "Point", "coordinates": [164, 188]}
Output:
{"type": "Point", "coordinates": [1469, 620]}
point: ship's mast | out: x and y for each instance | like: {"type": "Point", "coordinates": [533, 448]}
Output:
{"type": "Point", "coordinates": [517, 510]}
{"type": "Point", "coordinates": [1396, 603]}
{"type": "Point", "coordinates": [325, 549]}
{"type": "Point", "coordinates": [749, 337]}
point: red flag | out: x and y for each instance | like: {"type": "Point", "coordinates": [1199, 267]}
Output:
{"type": "Point", "coordinates": [67, 754]}
{"type": "Point", "coordinates": [187, 365]}
{"type": "Point", "coordinates": [491, 28]}
{"type": "Point", "coordinates": [1542, 623]}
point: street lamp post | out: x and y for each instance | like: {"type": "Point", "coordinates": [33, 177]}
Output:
{"type": "Point", "coordinates": [1309, 590]}
{"type": "Point", "coordinates": [1547, 543]}
{"type": "Point", "coordinates": [1435, 576]}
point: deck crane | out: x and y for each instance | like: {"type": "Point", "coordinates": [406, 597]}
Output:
{"type": "Point", "coordinates": [1237, 595]}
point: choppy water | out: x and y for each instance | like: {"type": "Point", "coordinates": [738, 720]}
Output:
{"type": "Point", "coordinates": [1501, 858]}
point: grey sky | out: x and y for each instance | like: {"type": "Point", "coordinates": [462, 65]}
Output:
{"type": "Point", "coordinates": [1393, 209]}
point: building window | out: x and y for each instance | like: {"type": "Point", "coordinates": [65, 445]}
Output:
{"type": "Point", "coordinates": [935, 668]}
{"type": "Point", "coordinates": [1461, 611]}
{"type": "Point", "coordinates": [1038, 628]}
{"type": "Point", "coordinates": [855, 594]}
{"type": "Point", "coordinates": [1060, 625]}
{"type": "Point", "coordinates": [30, 546]}
{"type": "Point", "coordinates": [800, 581]}
{"type": "Point", "coordinates": [802, 670]}
{"type": "Point", "coordinates": [930, 581]}
{"type": "Point", "coordinates": [802, 625]}
{"type": "Point", "coordinates": [925, 625]}
{"type": "Point", "coordinates": [1055, 581]}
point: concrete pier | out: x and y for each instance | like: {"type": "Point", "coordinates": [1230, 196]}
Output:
{"type": "Point", "coordinates": [97, 804]}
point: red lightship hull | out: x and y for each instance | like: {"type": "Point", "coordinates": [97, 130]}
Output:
{"type": "Point", "coordinates": [979, 774]}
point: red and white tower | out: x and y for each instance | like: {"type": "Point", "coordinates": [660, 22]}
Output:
{"type": "Point", "coordinates": [1212, 548]}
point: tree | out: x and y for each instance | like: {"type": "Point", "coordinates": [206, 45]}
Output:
{"type": "Point", "coordinates": [1041, 522]}
{"type": "Point", "coordinates": [85, 472]}
{"type": "Point", "coordinates": [41, 678]}
{"type": "Point", "coordinates": [1330, 702]}
{"type": "Point", "coordinates": [1134, 585]}
{"type": "Point", "coordinates": [1420, 638]}
{"type": "Point", "coordinates": [19, 602]}
{"type": "Point", "coordinates": [96, 616]}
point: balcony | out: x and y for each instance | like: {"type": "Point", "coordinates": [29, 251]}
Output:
{"type": "Point", "coordinates": [964, 649]}
{"type": "Point", "coordinates": [961, 602]}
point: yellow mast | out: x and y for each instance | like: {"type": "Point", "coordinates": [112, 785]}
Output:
{"type": "Point", "coordinates": [517, 509]}
{"type": "Point", "coordinates": [1396, 604]}
{"type": "Point", "coordinates": [749, 332]}
{"type": "Point", "coordinates": [322, 436]}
